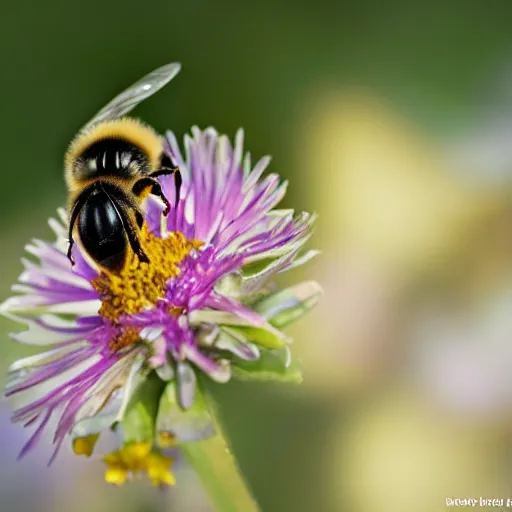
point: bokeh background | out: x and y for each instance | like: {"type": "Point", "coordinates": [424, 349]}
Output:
{"type": "Point", "coordinates": [393, 120]}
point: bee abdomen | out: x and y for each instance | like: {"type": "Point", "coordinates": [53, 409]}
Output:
{"type": "Point", "coordinates": [102, 232]}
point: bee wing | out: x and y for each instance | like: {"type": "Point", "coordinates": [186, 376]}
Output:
{"type": "Point", "coordinates": [136, 93]}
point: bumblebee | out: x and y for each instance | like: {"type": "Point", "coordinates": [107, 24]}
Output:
{"type": "Point", "coordinates": [110, 167]}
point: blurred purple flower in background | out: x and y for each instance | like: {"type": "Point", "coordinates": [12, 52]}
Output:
{"type": "Point", "coordinates": [463, 358]}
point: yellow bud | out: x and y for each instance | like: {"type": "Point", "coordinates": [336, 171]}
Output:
{"type": "Point", "coordinates": [85, 445]}
{"type": "Point", "coordinates": [116, 475]}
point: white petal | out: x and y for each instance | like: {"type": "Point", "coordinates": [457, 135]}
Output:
{"type": "Point", "coordinates": [186, 379]}
{"type": "Point", "coordinates": [28, 396]}
{"type": "Point", "coordinates": [42, 358]}
{"type": "Point", "coordinates": [114, 378]}
{"type": "Point", "coordinates": [151, 334]}
{"type": "Point", "coordinates": [44, 335]}
{"type": "Point", "coordinates": [63, 276]}
{"type": "Point", "coordinates": [256, 173]}
{"type": "Point", "coordinates": [210, 316]}
{"type": "Point", "coordinates": [59, 230]}
{"type": "Point", "coordinates": [83, 308]}
{"type": "Point", "coordinates": [301, 260]}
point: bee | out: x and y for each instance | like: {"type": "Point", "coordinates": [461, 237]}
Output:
{"type": "Point", "coordinates": [110, 167]}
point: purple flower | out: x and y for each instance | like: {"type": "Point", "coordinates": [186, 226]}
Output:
{"type": "Point", "coordinates": [206, 300]}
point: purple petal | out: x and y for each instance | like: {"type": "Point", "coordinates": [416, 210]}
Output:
{"type": "Point", "coordinates": [220, 372]}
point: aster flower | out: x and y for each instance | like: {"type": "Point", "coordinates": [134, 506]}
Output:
{"type": "Point", "coordinates": [127, 348]}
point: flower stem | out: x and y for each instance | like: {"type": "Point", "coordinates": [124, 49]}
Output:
{"type": "Point", "coordinates": [218, 470]}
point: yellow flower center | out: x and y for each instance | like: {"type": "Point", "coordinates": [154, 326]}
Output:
{"type": "Point", "coordinates": [140, 284]}
{"type": "Point", "coordinates": [135, 459]}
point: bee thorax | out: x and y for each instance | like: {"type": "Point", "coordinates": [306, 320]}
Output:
{"type": "Point", "coordinates": [111, 157]}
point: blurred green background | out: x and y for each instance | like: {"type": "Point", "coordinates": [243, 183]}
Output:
{"type": "Point", "coordinates": [392, 120]}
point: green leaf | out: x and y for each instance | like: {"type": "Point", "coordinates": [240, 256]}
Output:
{"type": "Point", "coordinates": [256, 267]}
{"type": "Point", "coordinates": [174, 424]}
{"type": "Point", "coordinates": [266, 336]}
{"type": "Point", "coordinates": [237, 344]}
{"type": "Point", "coordinates": [254, 281]}
{"type": "Point", "coordinates": [273, 365]}
{"type": "Point", "coordinates": [286, 306]}
{"type": "Point", "coordinates": [139, 419]}
{"type": "Point", "coordinates": [230, 285]}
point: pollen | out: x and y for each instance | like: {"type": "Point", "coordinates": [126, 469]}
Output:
{"type": "Point", "coordinates": [137, 459]}
{"type": "Point", "coordinates": [125, 338]}
{"type": "Point", "coordinates": [138, 284]}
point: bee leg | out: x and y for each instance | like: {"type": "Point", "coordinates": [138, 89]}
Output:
{"type": "Point", "coordinates": [69, 254]}
{"type": "Point", "coordinates": [139, 218]}
{"type": "Point", "coordinates": [135, 245]}
{"type": "Point", "coordinates": [131, 232]}
{"type": "Point", "coordinates": [166, 171]}
{"type": "Point", "coordinates": [166, 162]}
{"type": "Point", "coordinates": [177, 183]}
{"type": "Point", "coordinates": [155, 189]}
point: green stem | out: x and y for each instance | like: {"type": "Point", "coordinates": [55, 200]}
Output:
{"type": "Point", "coordinates": [218, 470]}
